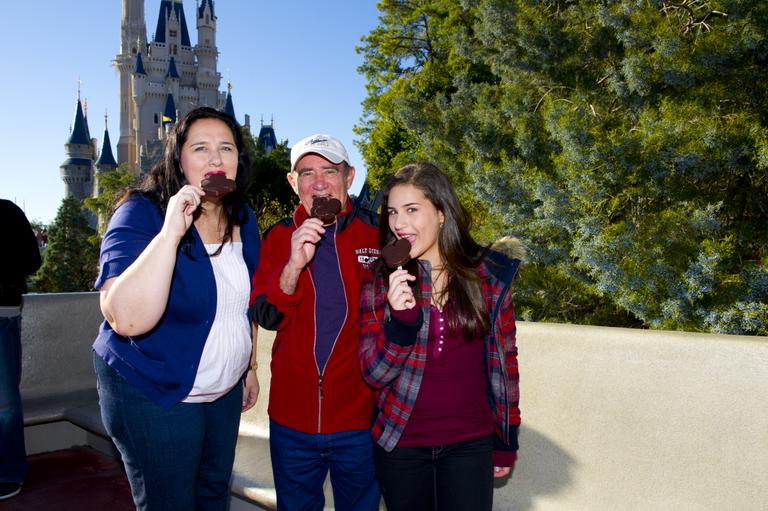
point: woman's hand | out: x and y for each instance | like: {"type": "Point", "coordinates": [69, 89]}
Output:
{"type": "Point", "coordinates": [501, 471]}
{"type": "Point", "coordinates": [400, 294]}
{"type": "Point", "coordinates": [181, 209]}
{"type": "Point", "coordinates": [250, 390]}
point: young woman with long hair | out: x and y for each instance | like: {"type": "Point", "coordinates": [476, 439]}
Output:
{"type": "Point", "coordinates": [438, 345]}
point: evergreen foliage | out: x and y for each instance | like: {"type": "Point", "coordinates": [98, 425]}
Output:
{"type": "Point", "coordinates": [70, 262]}
{"type": "Point", "coordinates": [270, 195]}
{"type": "Point", "coordinates": [112, 187]}
{"type": "Point", "coordinates": [625, 142]}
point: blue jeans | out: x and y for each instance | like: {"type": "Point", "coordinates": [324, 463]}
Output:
{"type": "Point", "coordinates": [13, 457]}
{"type": "Point", "coordinates": [300, 462]}
{"type": "Point", "coordinates": [446, 477]}
{"type": "Point", "coordinates": [178, 459]}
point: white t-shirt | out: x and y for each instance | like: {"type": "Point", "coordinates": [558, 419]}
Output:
{"type": "Point", "coordinates": [227, 350]}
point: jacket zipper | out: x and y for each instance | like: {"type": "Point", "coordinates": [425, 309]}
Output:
{"type": "Point", "coordinates": [319, 401]}
{"type": "Point", "coordinates": [320, 374]}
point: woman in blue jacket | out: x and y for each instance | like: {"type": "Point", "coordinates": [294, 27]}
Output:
{"type": "Point", "coordinates": [172, 357]}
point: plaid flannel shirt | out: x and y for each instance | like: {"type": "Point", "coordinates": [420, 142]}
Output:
{"type": "Point", "coordinates": [394, 364]}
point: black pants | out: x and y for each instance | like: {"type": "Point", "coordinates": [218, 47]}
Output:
{"type": "Point", "coordinates": [444, 477]}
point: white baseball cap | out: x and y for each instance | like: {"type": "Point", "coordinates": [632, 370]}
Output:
{"type": "Point", "coordinates": [326, 146]}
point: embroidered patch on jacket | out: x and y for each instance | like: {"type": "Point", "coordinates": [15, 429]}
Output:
{"type": "Point", "coordinates": [367, 255]}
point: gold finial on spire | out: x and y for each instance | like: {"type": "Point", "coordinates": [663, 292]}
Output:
{"type": "Point", "coordinates": [229, 86]}
{"type": "Point", "coordinates": [106, 116]}
{"type": "Point", "coordinates": [79, 83]}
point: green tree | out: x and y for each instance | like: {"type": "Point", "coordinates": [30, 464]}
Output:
{"type": "Point", "coordinates": [112, 187]}
{"type": "Point", "coordinates": [70, 262]}
{"type": "Point", "coordinates": [270, 195]}
{"type": "Point", "coordinates": [625, 142]}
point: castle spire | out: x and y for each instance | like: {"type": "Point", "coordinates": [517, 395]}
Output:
{"type": "Point", "coordinates": [169, 112]}
{"type": "Point", "coordinates": [167, 8]}
{"type": "Point", "coordinates": [79, 133]}
{"type": "Point", "coordinates": [106, 159]}
{"type": "Point", "coordinates": [201, 8]}
{"type": "Point", "coordinates": [138, 68]}
{"type": "Point", "coordinates": [76, 171]}
{"type": "Point", "coordinates": [172, 71]}
{"type": "Point", "coordinates": [229, 107]}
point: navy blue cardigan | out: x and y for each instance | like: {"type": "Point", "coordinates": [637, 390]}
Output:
{"type": "Point", "coordinates": [162, 363]}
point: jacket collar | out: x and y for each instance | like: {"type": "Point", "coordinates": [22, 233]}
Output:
{"type": "Point", "coordinates": [501, 266]}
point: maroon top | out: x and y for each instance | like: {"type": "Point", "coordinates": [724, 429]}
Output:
{"type": "Point", "coordinates": [452, 405]}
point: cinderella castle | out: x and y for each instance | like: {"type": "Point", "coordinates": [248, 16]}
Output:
{"type": "Point", "coordinates": [160, 81]}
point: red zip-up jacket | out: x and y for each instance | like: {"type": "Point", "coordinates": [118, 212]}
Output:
{"type": "Point", "coordinates": [299, 397]}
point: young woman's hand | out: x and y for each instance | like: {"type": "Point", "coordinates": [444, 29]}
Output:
{"type": "Point", "coordinates": [501, 471]}
{"type": "Point", "coordinates": [400, 294]}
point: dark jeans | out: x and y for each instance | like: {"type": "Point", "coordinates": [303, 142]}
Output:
{"type": "Point", "coordinates": [446, 477]}
{"type": "Point", "coordinates": [301, 461]}
{"type": "Point", "coordinates": [177, 459]}
{"type": "Point", "coordinates": [13, 457]}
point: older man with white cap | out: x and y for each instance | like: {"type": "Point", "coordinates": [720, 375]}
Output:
{"type": "Point", "coordinates": [307, 287]}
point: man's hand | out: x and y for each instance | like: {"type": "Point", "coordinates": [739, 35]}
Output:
{"type": "Point", "coordinates": [303, 242]}
{"type": "Point", "coordinates": [303, 247]}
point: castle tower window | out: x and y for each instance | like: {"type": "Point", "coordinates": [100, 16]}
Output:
{"type": "Point", "coordinates": [172, 33]}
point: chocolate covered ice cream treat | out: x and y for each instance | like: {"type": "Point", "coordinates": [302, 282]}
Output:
{"type": "Point", "coordinates": [217, 184]}
{"type": "Point", "coordinates": [325, 208]}
{"type": "Point", "coordinates": [397, 253]}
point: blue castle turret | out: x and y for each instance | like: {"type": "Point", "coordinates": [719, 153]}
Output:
{"type": "Point", "coordinates": [77, 169]}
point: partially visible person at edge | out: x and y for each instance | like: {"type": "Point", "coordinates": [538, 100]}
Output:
{"type": "Point", "coordinates": [438, 344]}
{"type": "Point", "coordinates": [307, 288]}
{"type": "Point", "coordinates": [172, 357]}
{"type": "Point", "coordinates": [19, 258]}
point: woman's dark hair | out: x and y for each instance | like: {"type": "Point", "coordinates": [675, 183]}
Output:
{"type": "Point", "coordinates": [166, 178]}
{"type": "Point", "coordinates": [466, 308]}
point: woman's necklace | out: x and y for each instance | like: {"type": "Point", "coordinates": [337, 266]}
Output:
{"type": "Point", "coordinates": [212, 231]}
{"type": "Point", "coordinates": [438, 287]}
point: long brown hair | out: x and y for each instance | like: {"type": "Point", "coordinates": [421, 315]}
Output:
{"type": "Point", "coordinates": [166, 178]}
{"type": "Point", "coordinates": [466, 309]}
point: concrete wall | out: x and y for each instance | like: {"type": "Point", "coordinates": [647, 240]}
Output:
{"type": "Point", "coordinates": [57, 331]}
{"type": "Point", "coordinates": [613, 419]}
{"type": "Point", "coordinates": [618, 419]}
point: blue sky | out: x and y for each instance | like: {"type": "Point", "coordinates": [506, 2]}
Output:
{"type": "Point", "coordinates": [293, 60]}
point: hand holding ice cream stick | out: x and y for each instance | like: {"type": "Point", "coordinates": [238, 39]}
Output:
{"type": "Point", "coordinates": [400, 294]}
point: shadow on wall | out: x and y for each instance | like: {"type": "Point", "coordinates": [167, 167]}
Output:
{"type": "Point", "coordinates": [542, 468]}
